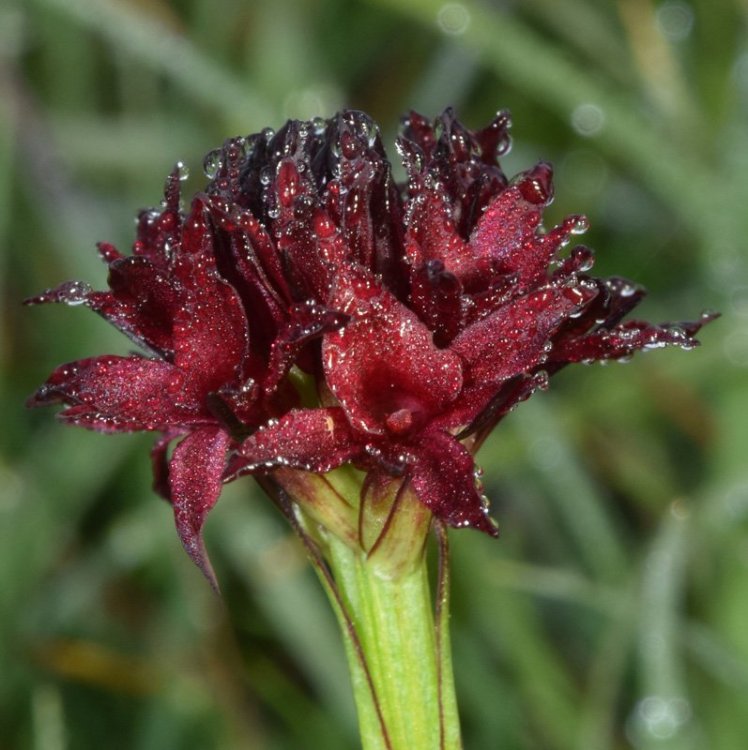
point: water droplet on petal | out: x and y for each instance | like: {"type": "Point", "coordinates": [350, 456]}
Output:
{"type": "Point", "coordinates": [580, 225]}
{"type": "Point", "coordinates": [73, 292]}
{"type": "Point", "coordinates": [583, 257]}
{"type": "Point", "coordinates": [212, 163]}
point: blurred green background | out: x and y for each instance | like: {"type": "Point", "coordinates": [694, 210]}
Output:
{"type": "Point", "coordinates": [613, 613]}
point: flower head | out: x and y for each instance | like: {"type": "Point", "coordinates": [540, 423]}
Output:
{"type": "Point", "coordinates": [307, 312]}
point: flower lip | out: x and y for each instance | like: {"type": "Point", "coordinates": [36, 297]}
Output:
{"type": "Point", "coordinates": [399, 422]}
{"type": "Point", "coordinates": [384, 360]}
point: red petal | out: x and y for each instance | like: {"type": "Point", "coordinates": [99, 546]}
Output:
{"type": "Point", "coordinates": [432, 234]}
{"type": "Point", "coordinates": [195, 479]}
{"type": "Point", "coordinates": [310, 439]}
{"type": "Point", "coordinates": [444, 479]}
{"type": "Point", "coordinates": [211, 336]}
{"type": "Point", "coordinates": [463, 161]}
{"type": "Point", "coordinates": [627, 338]}
{"type": "Point", "coordinates": [511, 220]}
{"type": "Point", "coordinates": [616, 298]}
{"type": "Point", "coordinates": [264, 250]}
{"type": "Point", "coordinates": [160, 463]}
{"type": "Point", "coordinates": [367, 203]}
{"type": "Point", "coordinates": [486, 414]}
{"type": "Point", "coordinates": [141, 303]}
{"type": "Point", "coordinates": [210, 328]}
{"type": "Point", "coordinates": [437, 296]}
{"type": "Point", "coordinates": [307, 321]}
{"type": "Point", "coordinates": [514, 338]}
{"type": "Point", "coordinates": [508, 230]}
{"type": "Point", "coordinates": [158, 233]}
{"type": "Point", "coordinates": [121, 394]}
{"type": "Point", "coordinates": [384, 361]}
{"type": "Point", "coordinates": [194, 261]}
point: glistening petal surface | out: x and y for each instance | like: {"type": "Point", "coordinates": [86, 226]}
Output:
{"type": "Point", "coordinates": [195, 481]}
{"type": "Point", "coordinates": [120, 394]}
{"type": "Point", "coordinates": [384, 361]}
{"type": "Point", "coordinates": [311, 439]}
{"type": "Point", "coordinates": [444, 479]}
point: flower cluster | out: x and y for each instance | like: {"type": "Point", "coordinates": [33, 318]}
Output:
{"type": "Point", "coordinates": [307, 311]}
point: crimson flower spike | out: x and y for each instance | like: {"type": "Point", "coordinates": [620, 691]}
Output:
{"type": "Point", "coordinates": [351, 341]}
{"type": "Point", "coordinates": [309, 312]}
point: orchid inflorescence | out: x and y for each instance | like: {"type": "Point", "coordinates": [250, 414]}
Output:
{"type": "Point", "coordinates": [308, 311]}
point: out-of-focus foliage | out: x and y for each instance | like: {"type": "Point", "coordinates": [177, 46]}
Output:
{"type": "Point", "coordinates": [612, 614]}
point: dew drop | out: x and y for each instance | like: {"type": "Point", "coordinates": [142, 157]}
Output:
{"type": "Point", "coordinates": [583, 258]}
{"type": "Point", "coordinates": [212, 163]}
{"type": "Point", "coordinates": [580, 226]}
{"type": "Point", "coordinates": [74, 292]}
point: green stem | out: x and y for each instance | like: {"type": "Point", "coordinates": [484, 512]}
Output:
{"type": "Point", "coordinates": [397, 644]}
{"type": "Point", "coordinates": [397, 654]}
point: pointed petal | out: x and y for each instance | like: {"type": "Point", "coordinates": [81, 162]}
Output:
{"type": "Point", "coordinates": [195, 480]}
{"type": "Point", "coordinates": [158, 232]}
{"type": "Point", "coordinates": [310, 439]}
{"type": "Point", "coordinates": [69, 293]}
{"type": "Point", "coordinates": [481, 406]}
{"type": "Point", "coordinates": [121, 394]}
{"type": "Point", "coordinates": [211, 336]}
{"type": "Point", "coordinates": [514, 338]}
{"type": "Point", "coordinates": [463, 161]}
{"type": "Point", "coordinates": [367, 202]}
{"type": "Point", "coordinates": [432, 234]}
{"type": "Point", "coordinates": [384, 361]}
{"type": "Point", "coordinates": [508, 233]}
{"type": "Point", "coordinates": [240, 266]}
{"type": "Point", "coordinates": [437, 296]}
{"type": "Point", "coordinates": [627, 338]}
{"type": "Point", "coordinates": [616, 298]}
{"type": "Point", "coordinates": [264, 251]}
{"type": "Point", "coordinates": [141, 302]}
{"type": "Point", "coordinates": [512, 218]}
{"type": "Point", "coordinates": [307, 321]}
{"type": "Point", "coordinates": [444, 479]}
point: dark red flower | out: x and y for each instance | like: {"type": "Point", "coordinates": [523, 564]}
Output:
{"type": "Point", "coordinates": [402, 400]}
{"type": "Point", "coordinates": [203, 381]}
{"type": "Point", "coordinates": [309, 312]}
